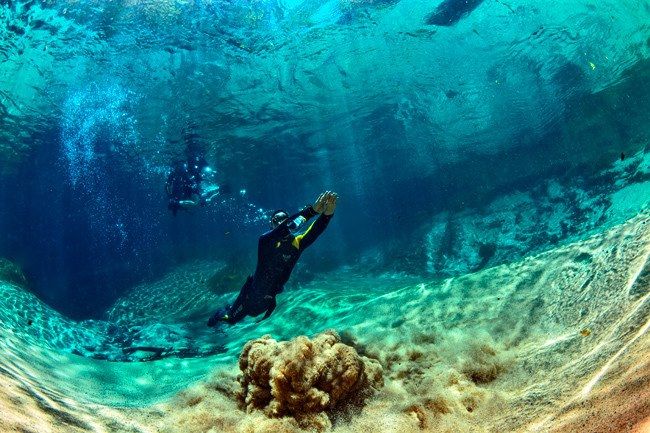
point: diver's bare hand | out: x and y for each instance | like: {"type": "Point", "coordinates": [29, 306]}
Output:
{"type": "Point", "coordinates": [330, 202]}
{"type": "Point", "coordinates": [319, 204]}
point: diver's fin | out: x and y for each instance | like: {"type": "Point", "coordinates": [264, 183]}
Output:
{"type": "Point", "coordinates": [269, 311]}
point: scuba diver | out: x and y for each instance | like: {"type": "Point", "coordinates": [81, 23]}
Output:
{"type": "Point", "coordinates": [191, 183]}
{"type": "Point", "coordinates": [277, 253]}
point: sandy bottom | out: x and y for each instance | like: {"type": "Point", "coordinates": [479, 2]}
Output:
{"type": "Point", "coordinates": [555, 343]}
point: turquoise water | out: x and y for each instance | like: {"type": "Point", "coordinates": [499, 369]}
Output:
{"type": "Point", "coordinates": [489, 248]}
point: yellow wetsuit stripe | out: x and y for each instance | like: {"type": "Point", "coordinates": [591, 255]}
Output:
{"type": "Point", "coordinates": [297, 239]}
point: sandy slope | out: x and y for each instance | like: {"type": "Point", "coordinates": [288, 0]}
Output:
{"type": "Point", "coordinates": [554, 343]}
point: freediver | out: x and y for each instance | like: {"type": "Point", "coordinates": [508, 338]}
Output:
{"type": "Point", "coordinates": [278, 252]}
{"type": "Point", "coordinates": [192, 182]}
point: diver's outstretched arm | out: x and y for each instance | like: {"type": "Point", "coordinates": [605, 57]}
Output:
{"type": "Point", "coordinates": [326, 203]}
{"type": "Point", "coordinates": [313, 232]}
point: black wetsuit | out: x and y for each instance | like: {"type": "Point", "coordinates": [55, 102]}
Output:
{"type": "Point", "coordinates": [277, 253]}
{"type": "Point", "coordinates": [180, 186]}
{"type": "Point", "coordinates": [183, 183]}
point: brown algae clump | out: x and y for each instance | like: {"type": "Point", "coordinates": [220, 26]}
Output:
{"type": "Point", "coordinates": [484, 364]}
{"type": "Point", "coordinates": [308, 380]}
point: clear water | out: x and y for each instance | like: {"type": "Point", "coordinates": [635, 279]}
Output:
{"type": "Point", "coordinates": [492, 162]}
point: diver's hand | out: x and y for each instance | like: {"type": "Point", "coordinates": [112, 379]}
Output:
{"type": "Point", "coordinates": [319, 204]}
{"type": "Point", "coordinates": [330, 202]}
